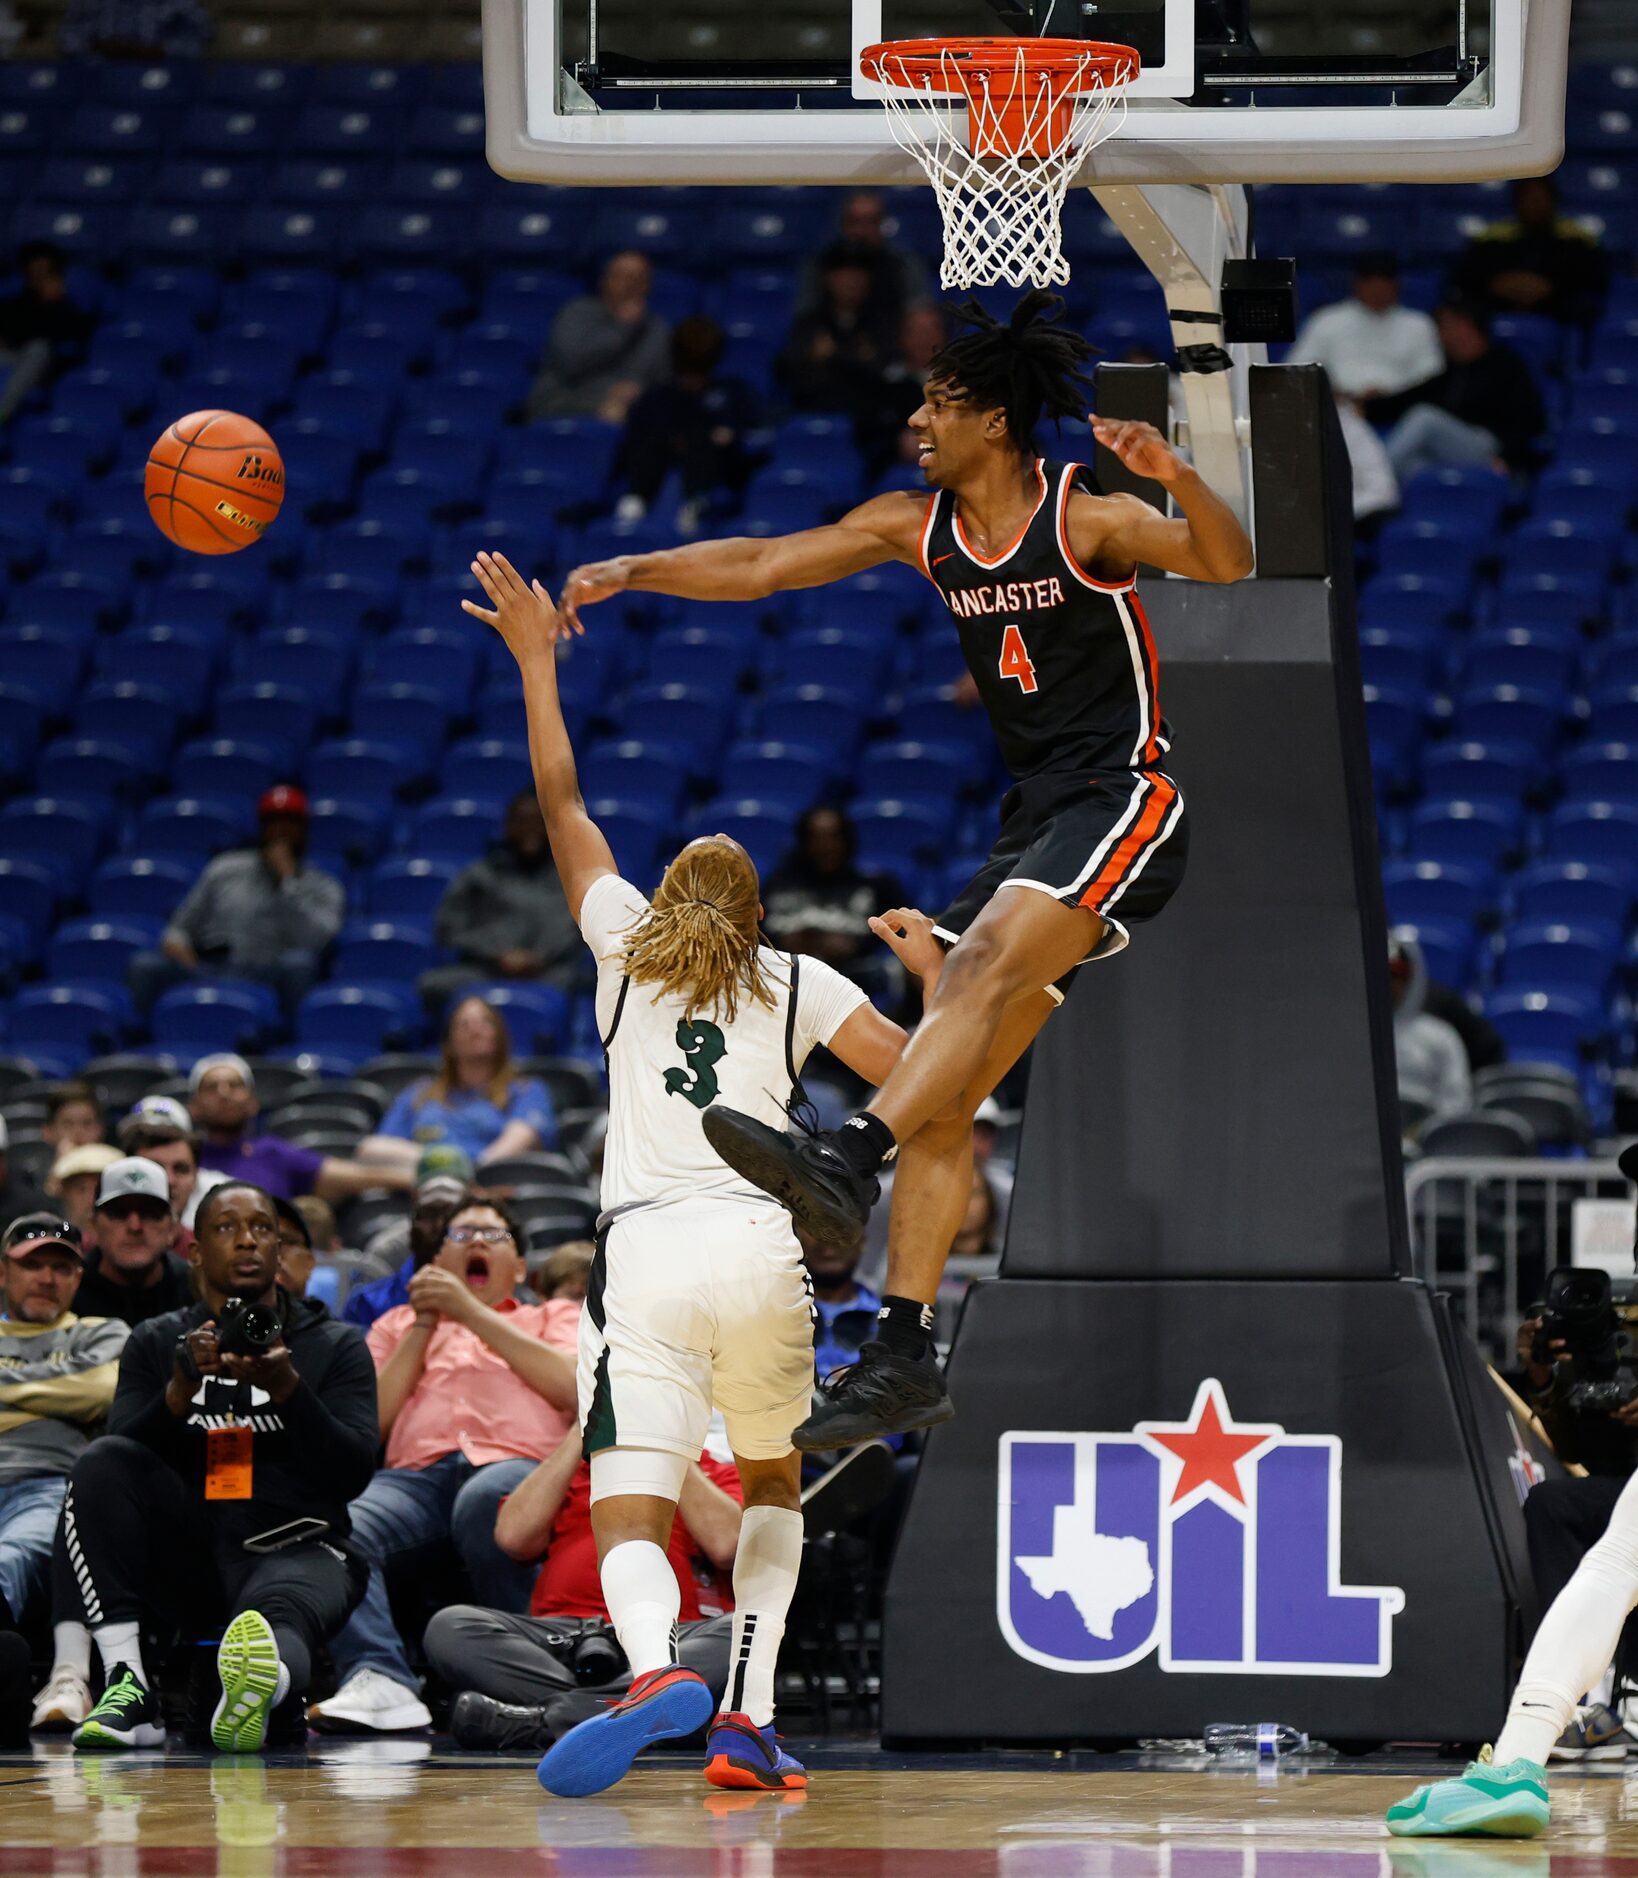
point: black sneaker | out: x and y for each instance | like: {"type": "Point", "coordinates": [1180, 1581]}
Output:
{"type": "Point", "coordinates": [881, 1394]}
{"type": "Point", "coordinates": [801, 1171]}
{"type": "Point", "coordinates": [126, 1715]}
{"type": "Point", "coordinates": [479, 1721]}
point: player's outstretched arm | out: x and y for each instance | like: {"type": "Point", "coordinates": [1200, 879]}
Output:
{"type": "Point", "coordinates": [1206, 542]}
{"type": "Point", "coordinates": [525, 618]}
{"type": "Point", "coordinates": [886, 528]}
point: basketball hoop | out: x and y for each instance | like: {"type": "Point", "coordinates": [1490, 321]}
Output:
{"type": "Point", "coordinates": [1035, 109]}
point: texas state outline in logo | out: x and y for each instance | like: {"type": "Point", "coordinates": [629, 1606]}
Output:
{"type": "Point", "coordinates": [1217, 1542]}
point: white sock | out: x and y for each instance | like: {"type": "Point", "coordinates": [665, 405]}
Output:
{"type": "Point", "coordinates": [283, 1688]}
{"type": "Point", "coordinates": [121, 1643]}
{"type": "Point", "coordinates": [644, 1598]}
{"type": "Point", "coordinates": [1576, 1640]}
{"type": "Point", "coordinates": [765, 1569]}
{"type": "Point", "coordinates": [71, 1650]}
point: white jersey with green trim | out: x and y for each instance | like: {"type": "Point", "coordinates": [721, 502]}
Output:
{"type": "Point", "coordinates": [666, 1067]}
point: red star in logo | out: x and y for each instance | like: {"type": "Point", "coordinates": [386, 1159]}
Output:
{"type": "Point", "coordinates": [1210, 1444]}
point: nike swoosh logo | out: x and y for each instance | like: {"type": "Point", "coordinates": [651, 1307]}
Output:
{"type": "Point", "coordinates": [940, 559]}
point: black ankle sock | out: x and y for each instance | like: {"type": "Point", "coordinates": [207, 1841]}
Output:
{"type": "Point", "coordinates": [905, 1325]}
{"type": "Point", "coordinates": [864, 1142]}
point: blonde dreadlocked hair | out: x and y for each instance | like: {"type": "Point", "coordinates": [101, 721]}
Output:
{"type": "Point", "coordinates": [699, 938]}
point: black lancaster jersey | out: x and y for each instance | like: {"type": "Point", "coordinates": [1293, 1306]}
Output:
{"type": "Point", "coordinates": [1065, 664]}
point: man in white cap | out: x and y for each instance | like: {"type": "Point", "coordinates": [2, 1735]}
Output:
{"type": "Point", "coordinates": [161, 1130]}
{"type": "Point", "coordinates": [134, 1274]}
{"type": "Point", "coordinates": [58, 1369]}
{"type": "Point", "coordinates": [71, 1186]}
{"type": "Point", "coordinates": [223, 1091]}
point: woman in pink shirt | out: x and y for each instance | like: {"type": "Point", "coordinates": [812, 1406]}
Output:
{"type": "Point", "coordinates": [474, 1389]}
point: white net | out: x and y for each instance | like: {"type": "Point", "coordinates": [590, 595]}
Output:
{"type": "Point", "coordinates": [1001, 189]}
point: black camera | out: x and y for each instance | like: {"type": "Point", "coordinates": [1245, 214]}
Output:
{"type": "Point", "coordinates": [1580, 1312]}
{"type": "Point", "coordinates": [247, 1329]}
{"type": "Point", "coordinates": [597, 1657]}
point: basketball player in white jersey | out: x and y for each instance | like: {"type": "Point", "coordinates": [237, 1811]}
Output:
{"type": "Point", "coordinates": [698, 1292]}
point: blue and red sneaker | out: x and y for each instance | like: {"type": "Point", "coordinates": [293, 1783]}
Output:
{"type": "Point", "coordinates": [657, 1707]}
{"type": "Point", "coordinates": [740, 1754]}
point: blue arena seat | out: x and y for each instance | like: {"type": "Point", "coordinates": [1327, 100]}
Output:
{"type": "Point", "coordinates": [174, 661]}
{"type": "Point", "coordinates": [493, 769]}
{"type": "Point", "coordinates": [795, 776]}
{"type": "Point", "coordinates": [1544, 1026]}
{"type": "Point", "coordinates": [1483, 831]}
{"type": "Point", "coordinates": [198, 1019]}
{"type": "Point", "coordinates": [354, 1022]}
{"type": "Point", "coordinates": [1527, 714]}
{"type": "Point", "coordinates": [225, 767]}
{"type": "Point", "coordinates": [352, 833]}
{"type": "Point", "coordinates": [632, 770]}
{"type": "Point", "coordinates": [1507, 771]}
{"type": "Point", "coordinates": [1447, 947]}
{"type": "Point", "coordinates": [138, 889]}
{"type": "Point", "coordinates": [1612, 713]}
{"type": "Point", "coordinates": [409, 888]}
{"type": "Point", "coordinates": [414, 719]}
{"type": "Point", "coordinates": [1555, 954]}
{"type": "Point", "coordinates": [1419, 890]}
{"type": "Point", "coordinates": [89, 951]}
{"type": "Point", "coordinates": [1593, 831]}
{"type": "Point", "coordinates": [384, 951]}
{"type": "Point", "coordinates": [194, 826]}
{"type": "Point", "coordinates": [457, 828]}
{"type": "Point", "coordinates": [762, 829]}
{"type": "Point", "coordinates": [30, 893]}
{"type": "Point", "coordinates": [92, 766]}
{"type": "Point", "coordinates": [43, 664]}
{"type": "Point", "coordinates": [60, 833]}
{"type": "Point", "coordinates": [59, 1026]}
{"type": "Point", "coordinates": [1601, 772]}
{"type": "Point", "coordinates": [359, 769]}
{"type": "Point", "coordinates": [313, 661]}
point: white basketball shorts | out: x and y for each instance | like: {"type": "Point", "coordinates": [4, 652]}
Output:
{"type": "Point", "coordinates": [690, 1304]}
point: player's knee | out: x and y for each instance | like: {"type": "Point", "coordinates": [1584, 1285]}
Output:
{"type": "Point", "coordinates": [985, 967]}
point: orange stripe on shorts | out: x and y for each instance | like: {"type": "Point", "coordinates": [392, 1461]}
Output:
{"type": "Point", "coordinates": [1137, 839]}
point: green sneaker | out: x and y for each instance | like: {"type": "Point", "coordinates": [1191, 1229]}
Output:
{"type": "Point", "coordinates": [126, 1715]}
{"type": "Point", "coordinates": [1486, 1802]}
{"type": "Point", "coordinates": [247, 1660]}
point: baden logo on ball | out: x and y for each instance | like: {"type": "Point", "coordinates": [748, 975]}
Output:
{"type": "Point", "coordinates": [214, 482]}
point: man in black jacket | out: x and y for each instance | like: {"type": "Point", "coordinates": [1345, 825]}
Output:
{"type": "Point", "coordinates": [1482, 408]}
{"type": "Point", "coordinates": [222, 1486]}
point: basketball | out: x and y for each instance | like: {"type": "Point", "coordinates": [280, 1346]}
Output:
{"type": "Point", "coordinates": [214, 482]}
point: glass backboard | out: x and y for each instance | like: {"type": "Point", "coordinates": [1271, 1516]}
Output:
{"type": "Point", "coordinates": [735, 91]}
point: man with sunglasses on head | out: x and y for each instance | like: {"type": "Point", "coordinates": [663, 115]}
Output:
{"type": "Point", "coordinates": [57, 1372]}
{"type": "Point", "coordinates": [240, 1429]}
{"type": "Point", "coordinates": [475, 1388]}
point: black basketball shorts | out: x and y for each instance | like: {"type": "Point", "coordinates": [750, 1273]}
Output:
{"type": "Point", "coordinates": [1114, 841]}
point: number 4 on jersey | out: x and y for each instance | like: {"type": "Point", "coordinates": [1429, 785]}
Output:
{"type": "Point", "coordinates": [1015, 659]}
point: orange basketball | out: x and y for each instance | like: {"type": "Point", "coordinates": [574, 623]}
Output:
{"type": "Point", "coordinates": [214, 483]}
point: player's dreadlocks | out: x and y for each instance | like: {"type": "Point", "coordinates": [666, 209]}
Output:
{"type": "Point", "coordinates": [1030, 366]}
{"type": "Point", "coordinates": [699, 939]}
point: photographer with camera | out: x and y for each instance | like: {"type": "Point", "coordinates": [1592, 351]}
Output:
{"type": "Point", "coordinates": [1581, 1370]}
{"type": "Point", "coordinates": [240, 1429]}
{"type": "Point", "coordinates": [1503, 1794]}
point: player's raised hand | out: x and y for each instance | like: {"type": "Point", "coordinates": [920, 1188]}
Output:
{"type": "Point", "coordinates": [585, 585]}
{"type": "Point", "coordinates": [522, 614]}
{"type": "Point", "coordinates": [909, 934]}
{"type": "Point", "coordinates": [1140, 447]}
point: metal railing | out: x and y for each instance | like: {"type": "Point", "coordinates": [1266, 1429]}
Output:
{"type": "Point", "coordinates": [1479, 1219]}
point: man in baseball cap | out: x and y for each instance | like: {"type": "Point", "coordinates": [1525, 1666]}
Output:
{"type": "Point", "coordinates": [134, 1273]}
{"type": "Point", "coordinates": [161, 1130]}
{"type": "Point", "coordinates": [259, 912]}
{"type": "Point", "coordinates": [443, 1179]}
{"type": "Point", "coordinates": [71, 1186]}
{"type": "Point", "coordinates": [59, 1363]}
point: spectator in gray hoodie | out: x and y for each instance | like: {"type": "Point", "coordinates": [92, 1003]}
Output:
{"type": "Point", "coordinates": [505, 916]}
{"type": "Point", "coordinates": [605, 348]}
{"type": "Point", "coordinates": [1433, 1071]}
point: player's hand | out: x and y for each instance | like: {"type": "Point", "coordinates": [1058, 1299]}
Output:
{"type": "Point", "coordinates": [585, 585]}
{"type": "Point", "coordinates": [523, 613]}
{"type": "Point", "coordinates": [1140, 447]}
{"type": "Point", "coordinates": [909, 935]}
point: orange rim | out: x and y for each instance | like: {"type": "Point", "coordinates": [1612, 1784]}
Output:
{"type": "Point", "coordinates": [939, 65]}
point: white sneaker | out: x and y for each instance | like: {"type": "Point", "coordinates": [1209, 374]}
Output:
{"type": "Point", "coordinates": [370, 1703]}
{"type": "Point", "coordinates": [62, 1704]}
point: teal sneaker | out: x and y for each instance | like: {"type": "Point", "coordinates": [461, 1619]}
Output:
{"type": "Point", "coordinates": [247, 1661]}
{"type": "Point", "coordinates": [1486, 1802]}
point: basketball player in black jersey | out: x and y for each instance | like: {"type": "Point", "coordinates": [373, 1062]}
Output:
{"type": "Point", "coordinates": [1038, 572]}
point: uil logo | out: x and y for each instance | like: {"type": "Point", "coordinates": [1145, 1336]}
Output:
{"type": "Point", "coordinates": [1214, 1542]}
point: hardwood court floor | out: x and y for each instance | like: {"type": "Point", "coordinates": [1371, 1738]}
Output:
{"type": "Point", "coordinates": [403, 1810]}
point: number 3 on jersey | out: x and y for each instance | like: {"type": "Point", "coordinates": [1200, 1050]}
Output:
{"type": "Point", "coordinates": [703, 1045]}
{"type": "Point", "coordinates": [1015, 660]}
